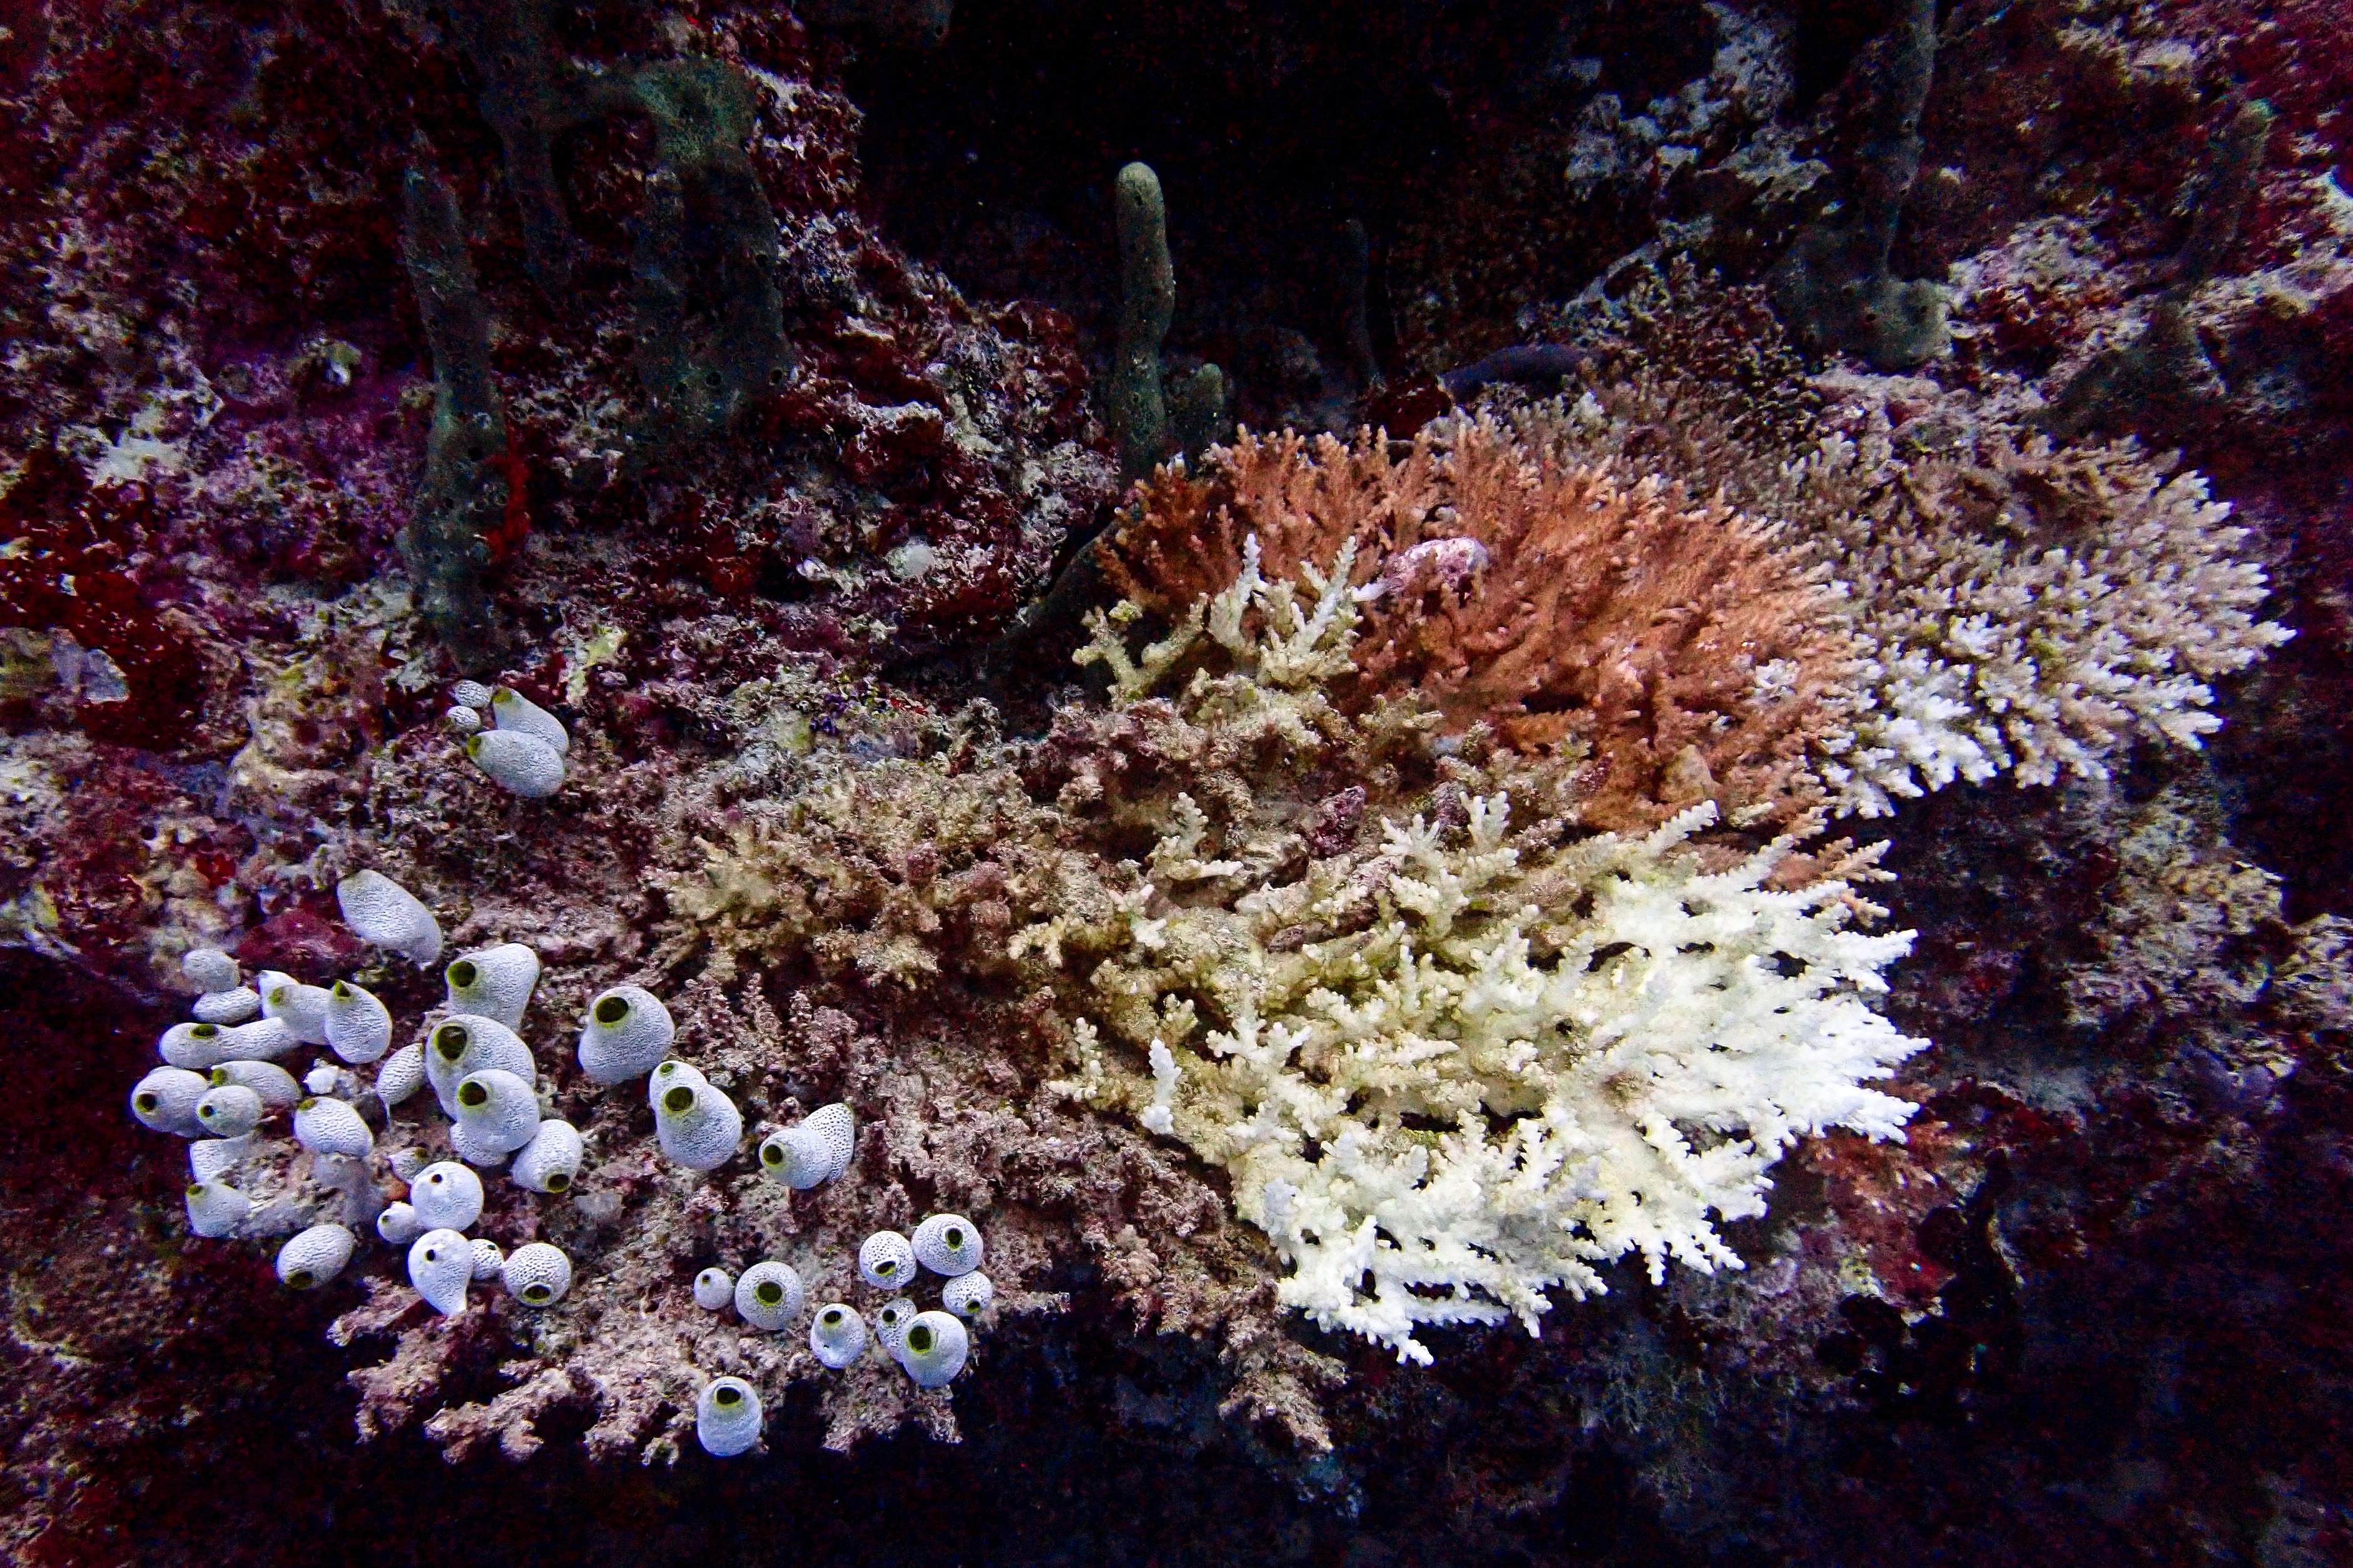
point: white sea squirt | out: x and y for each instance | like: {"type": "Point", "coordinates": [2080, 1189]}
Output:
{"type": "Point", "coordinates": [626, 1034]}
{"type": "Point", "coordinates": [402, 1075]}
{"type": "Point", "coordinates": [890, 1321]}
{"type": "Point", "coordinates": [812, 1152]}
{"type": "Point", "coordinates": [537, 1274]}
{"type": "Point", "coordinates": [229, 1110]}
{"type": "Point", "coordinates": [466, 1043]}
{"type": "Point", "coordinates": [948, 1244]}
{"type": "Point", "coordinates": [768, 1296]}
{"type": "Point", "coordinates": [727, 1417]}
{"type": "Point", "coordinates": [237, 1005]}
{"type": "Point", "coordinates": [495, 983]}
{"type": "Point", "coordinates": [398, 1224]}
{"type": "Point", "coordinates": [210, 969]}
{"type": "Point", "coordinates": [165, 1100]}
{"type": "Point", "coordinates": [200, 1047]}
{"type": "Point", "coordinates": [886, 1260]}
{"type": "Point", "coordinates": [446, 1195]}
{"type": "Point", "coordinates": [461, 719]}
{"type": "Point", "coordinates": [441, 1265]}
{"type": "Point", "coordinates": [313, 1256]}
{"type": "Point", "coordinates": [210, 1158]}
{"type": "Point", "coordinates": [551, 1160]}
{"type": "Point", "coordinates": [836, 1335]}
{"type": "Point", "coordinates": [214, 1208]}
{"type": "Point", "coordinates": [714, 1287]}
{"type": "Point", "coordinates": [512, 710]}
{"type": "Point", "coordinates": [276, 1086]}
{"type": "Point", "coordinates": [359, 1027]}
{"type": "Point", "coordinates": [380, 911]}
{"type": "Point", "coordinates": [470, 694]}
{"type": "Point", "coordinates": [968, 1295]}
{"type": "Point", "coordinates": [497, 1111]}
{"type": "Point", "coordinates": [520, 763]}
{"type": "Point", "coordinates": [696, 1126]}
{"type": "Point", "coordinates": [301, 1008]}
{"type": "Point", "coordinates": [332, 1127]}
{"type": "Point", "coordinates": [327, 1079]}
{"type": "Point", "coordinates": [933, 1348]}
{"type": "Point", "coordinates": [490, 1259]}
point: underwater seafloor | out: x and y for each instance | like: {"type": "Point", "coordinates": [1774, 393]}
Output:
{"type": "Point", "coordinates": [1693, 902]}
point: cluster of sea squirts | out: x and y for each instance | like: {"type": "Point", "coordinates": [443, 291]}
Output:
{"type": "Point", "coordinates": [221, 1087]}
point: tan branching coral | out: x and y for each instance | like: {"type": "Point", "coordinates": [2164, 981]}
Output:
{"type": "Point", "coordinates": [1693, 653]}
{"type": "Point", "coordinates": [2019, 606]}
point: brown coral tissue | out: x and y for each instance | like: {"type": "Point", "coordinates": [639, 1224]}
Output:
{"type": "Point", "coordinates": [1689, 651]}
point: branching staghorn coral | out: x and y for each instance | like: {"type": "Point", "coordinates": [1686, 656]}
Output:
{"type": "Point", "coordinates": [1694, 653]}
{"type": "Point", "coordinates": [1457, 1064]}
{"type": "Point", "coordinates": [2019, 606]}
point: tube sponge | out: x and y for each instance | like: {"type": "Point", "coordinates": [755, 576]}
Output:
{"type": "Point", "coordinates": [537, 1275]}
{"type": "Point", "coordinates": [968, 1295]}
{"type": "Point", "coordinates": [549, 1162]}
{"type": "Point", "coordinates": [165, 1100]}
{"type": "Point", "coordinates": [521, 764]}
{"type": "Point", "coordinates": [713, 1289]}
{"type": "Point", "coordinates": [836, 1335]}
{"type": "Point", "coordinates": [814, 1151]}
{"type": "Point", "coordinates": [380, 911]}
{"type": "Point", "coordinates": [497, 1111]}
{"type": "Point", "coordinates": [359, 1027]}
{"type": "Point", "coordinates": [934, 1349]}
{"type": "Point", "coordinates": [446, 1196]}
{"type": "Point", "coordinates": [229, 1110]}
{"type": "Point", "coordinates": [216, 1209]}
{"type": "Point", "coordinates": [626, 1034]}
{"type": "Point", "coordinates": [495, 983]}
{"type": "Point", "coordinates": [768, 1296]}
{"type": "Point", "coordinates": [441, 1265]}
{"type": "Point", "coordinates": [315, 1256]}
{"type": "Point", "coordinates": [301, 1008]}
{"type": "Point", "coordinates": [696, 1126]}
{"type": "Point", "coordinates": [885, 1259]}
{"type": "Point", "coordinates": [948, 1244]}
{"type": "Point", "coordinates": [727, 1417]}
{"type": "Point", "coordinates": [276, 1086]}
{"type": "Point", "coordinates": [464, 1043]}
{"type": "Point", "coordinates": [512, 710]}
{"type": "Point", "coordinates": [332, 1127]}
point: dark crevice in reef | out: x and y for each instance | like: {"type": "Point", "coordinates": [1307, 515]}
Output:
{"type": "Point", "coordinates": [994, 155]}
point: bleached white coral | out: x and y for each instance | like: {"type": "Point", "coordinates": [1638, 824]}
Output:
{"type": "Point", "coordinates": [1470, 1060]}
